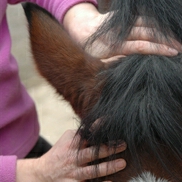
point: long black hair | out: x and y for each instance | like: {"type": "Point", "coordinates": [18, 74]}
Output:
{"type": "Point", "coordinates": [141, 101]}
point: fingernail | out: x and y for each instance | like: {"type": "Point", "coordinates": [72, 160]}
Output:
{"type": "Point", "coordinates": [173, 51]}
{"type": "Point", "coordinates": [120, 164]}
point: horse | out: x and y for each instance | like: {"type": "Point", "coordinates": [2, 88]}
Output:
{"type": "Point", "coordinates": [136, 99]}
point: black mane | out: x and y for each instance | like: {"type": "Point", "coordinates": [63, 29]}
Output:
{"type": "Point", "coordinates": [141, 102]}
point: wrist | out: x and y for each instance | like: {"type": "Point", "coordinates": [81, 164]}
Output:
{"type": "Point", "coordinates": [78, 16]}
{"type": "Point", "coordinates": [79, 11]}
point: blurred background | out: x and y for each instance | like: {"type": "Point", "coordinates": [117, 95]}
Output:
{"type": "Point", "coordinates": [55, 115]}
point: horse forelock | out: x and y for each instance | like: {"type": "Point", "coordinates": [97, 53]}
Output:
{"type": "Point", "coordinates": [147, 177]}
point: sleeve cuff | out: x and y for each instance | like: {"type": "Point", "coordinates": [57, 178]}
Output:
{"type": "Point", "coordinates": [8, 168]}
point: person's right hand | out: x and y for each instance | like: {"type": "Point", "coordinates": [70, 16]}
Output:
{"type": "Point", "coordinates": [62, 164]}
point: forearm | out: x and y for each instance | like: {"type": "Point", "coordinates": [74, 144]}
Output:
{"type": "Point", "coordinates": [75, 14]}
{"type": "Point", "coordinates": [81, 21]}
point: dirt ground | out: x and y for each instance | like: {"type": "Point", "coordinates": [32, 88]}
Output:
{"type": "Point", "coordinates": [55, 115]}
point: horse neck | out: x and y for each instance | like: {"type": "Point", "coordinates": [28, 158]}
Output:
{"type": "Point", "coordinates": [151, 168]}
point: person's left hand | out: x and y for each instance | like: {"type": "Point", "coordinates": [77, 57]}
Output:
{"type": "Point", "coordinates": [82, 20]}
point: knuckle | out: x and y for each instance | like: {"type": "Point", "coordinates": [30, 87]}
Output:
{"type": "Point", "coordinates": [88, 172]}
{"type": "Point", "coordinates": [140, 46]}
{"type": "Point", "coordinates": [85, 154]}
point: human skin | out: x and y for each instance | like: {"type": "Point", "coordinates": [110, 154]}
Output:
{"type": "Point", "coordinates": [89, 19]}
{"type": "Point", "coordinates": [63, 164]}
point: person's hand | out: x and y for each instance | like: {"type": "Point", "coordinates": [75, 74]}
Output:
{"type": "Point", "coordinates": [62, 164]}
{"type": "Point", "coordinates": [82, 20]}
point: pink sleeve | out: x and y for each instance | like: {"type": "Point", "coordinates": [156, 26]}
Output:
{"type": "Point", "coordinates": [8, 168]}
{"type": "Point", "coordinates": [56, 7]}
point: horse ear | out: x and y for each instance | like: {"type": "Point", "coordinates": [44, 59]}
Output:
{"type": "Point", "coordinates": [61, 61]}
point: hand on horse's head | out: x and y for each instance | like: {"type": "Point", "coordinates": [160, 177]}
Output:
{"type": "Point", "coordinates": [63, 162]}
{"type": "Point", "coordinates": [82, 20]}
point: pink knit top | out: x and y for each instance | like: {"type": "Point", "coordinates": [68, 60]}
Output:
{"type": "Point", "coordinates": [19, 128]}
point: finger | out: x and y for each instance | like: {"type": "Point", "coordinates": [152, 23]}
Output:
{"type": "Point", "coordinates": [87, 155]}
{"type": "Point", "coordinates": [143, 33]}
{"type": "Point", "coordinates": [115, 58]}
{"type": "Point", "coordinates": [102, 50]}
{"type": "Point", "coordinates": [141, 22]}
{"type": "Point", "coordinates": [108, 168]}
{"type": "Point", "coordinates": [145, 47]}
{"type": "Point", "coordinates": [152, 35]}
{"type": "Point", "coordinates": [103, 169]}
{"type": "Point", "coordinates": [76, 142]}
